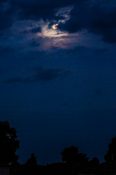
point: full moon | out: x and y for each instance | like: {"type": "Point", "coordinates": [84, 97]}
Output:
{"type": "Point", "coordinates": [55, 26]}
{"type": "Point", "coordinates": [52, 32]}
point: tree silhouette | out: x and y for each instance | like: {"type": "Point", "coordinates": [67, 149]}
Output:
{"type": "Point", "coordinates": [32, 161]}
{"type": "Point", "coordinates": [94, 164]}
{"type": "Point", "coordinates": [110, 156]}
{"type": "Point", "coordinates": [8, 144]}
{"type": "Point", "coordinates": [31, 165]}
{"type": "Point", "coordinates": [95, 161]}
{"type": "Point", "coordinates": [75, 160]}
{"type": "Point", "coordinates": [70, 154]}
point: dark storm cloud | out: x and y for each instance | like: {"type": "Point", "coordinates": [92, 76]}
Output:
{"type": "Point", "coordinates": [105, 24]}
{"type": "Point", "coordinates": [97, 16]}
{"type": "Point", "coordinates": [40, 74]}
{"type": "Point", "coordinates": [12, 10]}
{"type": "Point", "coordinates": [39, 9]}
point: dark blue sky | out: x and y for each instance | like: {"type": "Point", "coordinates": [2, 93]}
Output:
{"type": "Point", "coordinates": [58, 86]}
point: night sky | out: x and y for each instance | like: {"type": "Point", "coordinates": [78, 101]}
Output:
{"type": "Point", "coordinates": [58, 74]}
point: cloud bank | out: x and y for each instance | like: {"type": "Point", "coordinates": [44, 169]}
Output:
{"type": "Point", "coordinates": [39, 75]}
{"type": "Point", "coordinates": [72, 17]}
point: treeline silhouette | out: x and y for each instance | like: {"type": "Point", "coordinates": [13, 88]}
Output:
{"type": "Point", "coordinates": [73, 162]}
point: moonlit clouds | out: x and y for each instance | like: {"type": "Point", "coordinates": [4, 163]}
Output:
{"type": "Point", "coordinates": [64, 14]}
{"type": "Point", "coordinates": [24, 34]}
{"type": "Point", "coordinates": [49, 30]}
{"type": "Point", "coordinates": [49, 34]}
{"type": "Point", "coordinates": [72, 16]}
{"type": "Point", "coordinates": [65, 28]}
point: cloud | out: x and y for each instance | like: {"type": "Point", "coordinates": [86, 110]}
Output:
{"type": "Point", "coordinates": [96, 16]}
{"type": "Point", "coordinates": [64, 14]}
{"type": "Point", "coordinates": [105, 24]}
{"type": "Point", "coordinates": [39, 75]}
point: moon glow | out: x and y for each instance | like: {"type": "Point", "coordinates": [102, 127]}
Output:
{"type": "Point", "coordinates": [55, 26]}
{"type": "Point", "coordinates": [52, 31]}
